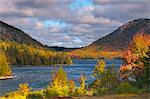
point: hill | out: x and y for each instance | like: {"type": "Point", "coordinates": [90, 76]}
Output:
{"type": "Point", "coordinates": [114, 43]}
{"type": "Point", "coordinates": [21, 49]}
{"type": "Point", "coordinates": [121, 37]}
{"type": "Point", "coordinates": [10, 33]}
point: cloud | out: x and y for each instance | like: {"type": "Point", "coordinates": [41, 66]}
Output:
{"type": "Point", "coordinates": [71, 23]}
{"type": "Point", "coordinates": [122, 10]}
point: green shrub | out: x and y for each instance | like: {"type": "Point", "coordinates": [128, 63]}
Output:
{"type": "Point", "coordinates": [14, 95]}
{"type": "Point", "coordinates": [81, 91]}
{"type": "Point", "coordinates": [36, 95]}
{"type": "Point", "coordinates": [101, 91]}
{"type": "Point", "coordinates": [106, 79]}
{"type": "Point", "coordinates": [50, 93]}
{"type": "Point", "coordinates": [127, 88]}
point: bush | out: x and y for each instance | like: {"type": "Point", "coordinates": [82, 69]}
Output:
{"type": "Point", "coordinates": [50, 93]}
{"type": "Point", "coordinates": [36, 95]}
{"type": "Point", "coordinates": [81, 91]}
{"type": "Point", "coordinates": [101, 91]}
{"type": "Point", "coordinates": [24, 89]}
{"type": "Point", "coordinates": [127, 88]}
{"type": "Point", "coordinates": [72, 87]}
{"type": "Point", "coordinates": [14, 95]}
{"type": "Point", "coordinates": [106, 79]}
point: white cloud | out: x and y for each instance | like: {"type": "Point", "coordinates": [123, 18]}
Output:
{"type": "Point", "coordinates": [83, 25]}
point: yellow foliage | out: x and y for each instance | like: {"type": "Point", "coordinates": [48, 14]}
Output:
{"type": "Point", "coordinates": [14, 95]}
{"type": "Point", "coordinates": [24, 88]}
{"type": "Point", "coordinates": [37, 55]}
{"type": "Point", "coordinates": [88, 53]}
{"type": "Point", "coordinates": [81, 91]}
{"type": "Point", "coordinates": [140, 44]}
{"type": "Point", "coordinates": [60, 83]}
{"type": "Point", "coordinates": [4, 68]}
{"type": "Point", "coordinates": [99, 68]}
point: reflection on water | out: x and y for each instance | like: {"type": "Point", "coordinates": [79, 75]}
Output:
{"type": "Point", "coordinates": [39, 77]}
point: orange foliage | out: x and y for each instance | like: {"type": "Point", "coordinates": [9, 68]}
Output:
{"type": "Point", "coordinates": [88, 53]}
{"type": "Point", "coordinates": [129, 56]}
{"type": "Point", "coordinates": [134, 65]}
{"type": "Point", "coordinates": [71, 86]}
{"type": "Point", "coordinates": [33, 55]}
{"type": "Point", "coordinates": [24, 88]}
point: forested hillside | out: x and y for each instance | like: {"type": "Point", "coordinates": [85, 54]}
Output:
{"type": "Point", "coordinates": [21, 49]}
{"type": "Point", "coordinates": [23, 54]}
{"type": "Point", "coordinates": [114, 43]}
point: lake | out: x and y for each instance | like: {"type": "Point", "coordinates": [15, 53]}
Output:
{"type": "Point", "coordinates": [38, 77]}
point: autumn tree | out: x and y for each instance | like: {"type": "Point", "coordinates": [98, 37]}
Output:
{"type": "Point", "coordinates": [5, 70]}
{"type": "Point", "coordinates": [60, 78]}
{"type": "Point", "coordinates": [136, 59]}
{"type": "Point", "coordinates": [22, 54]}
{"type": "Point", "coordinates": [105, 78]}
{"type": "Point", "coordinates": [59, 83]}
{"type": "Point", "coordinates": [81, 90]}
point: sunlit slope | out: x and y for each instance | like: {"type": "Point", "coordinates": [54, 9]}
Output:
{"type": "Point", "coordinates": [121, 37]}
{"type": "Point", "coordinates": [114, 43]}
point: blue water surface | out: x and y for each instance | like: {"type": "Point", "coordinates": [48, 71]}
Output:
{"type": "Point", "coordinates": [38, 77]}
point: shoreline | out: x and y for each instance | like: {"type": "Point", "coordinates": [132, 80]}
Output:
{"type": "Point", "coordinates": [6, 77]}
{"type": "Point", "coordinates": [40, 65]}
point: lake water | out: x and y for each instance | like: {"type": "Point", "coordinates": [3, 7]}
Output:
{"type": "Point", "coordinates": [38, 77]}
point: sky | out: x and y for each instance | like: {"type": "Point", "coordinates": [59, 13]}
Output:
{"type": "Point", "coordinates": [71, 23]}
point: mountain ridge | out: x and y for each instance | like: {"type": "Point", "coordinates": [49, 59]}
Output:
{"type": "Point", "coordinates": [11, 33]}
{"type": "Point", "coordinates": [122, 36]}
{"type": "Point", "coordinates": [119, 39]}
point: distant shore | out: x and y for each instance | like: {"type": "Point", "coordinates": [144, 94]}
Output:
{"type": "Point", "coordinates": [40, 65]}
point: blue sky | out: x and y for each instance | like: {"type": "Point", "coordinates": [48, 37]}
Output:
{"type": "Point", "coordinates": [76, 4]}
{"type": "Point", "coordinates": [54, 23]}
{"type": "Point", "coordinates": [71, 23]}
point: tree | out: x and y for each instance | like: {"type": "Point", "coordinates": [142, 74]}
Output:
{"type": "Point", "coordinates": [136, 58]}
{"type": "Point", "coordinates": [22, 54]}
{"type": "Point", "coordinates": [105, 78]}
{"type": "Point", "coordinates": [4, 68]}
{"type": "Point", "coordinates": [99, 68]}
{"type": "Point", "coordinates": [140, 44]}
{"type": "Point", "coordinates": [144, 80]}
{"type": "Point", "coordinates": [60, 78]}
{"type": "Point", "coordinates": [59, 83]}
{"type": "Point", "coordinates": [81, 91]}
